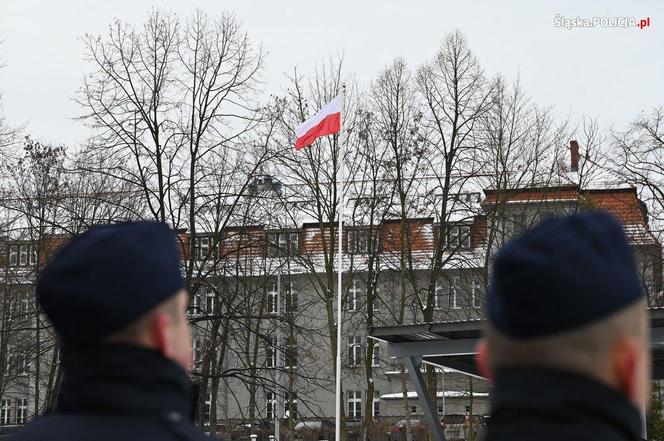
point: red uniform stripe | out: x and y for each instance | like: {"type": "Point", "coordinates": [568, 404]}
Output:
{"type": "Point", "coordinates": [328, 125]}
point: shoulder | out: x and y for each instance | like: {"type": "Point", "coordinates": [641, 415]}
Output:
{"type": "Point", "coordinates": [107, 427]}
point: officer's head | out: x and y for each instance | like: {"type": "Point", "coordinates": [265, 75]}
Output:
{"type": "Point", "coordinates": [566, 295]}
{"type": "Point", "coordinates": [119, 284]}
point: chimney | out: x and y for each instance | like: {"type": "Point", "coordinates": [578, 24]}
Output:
{"type": "Point", "coordinates": [574, 155]}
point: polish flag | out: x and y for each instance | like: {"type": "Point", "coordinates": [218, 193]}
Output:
{"type": "Point", "coordinates": [325, 122]}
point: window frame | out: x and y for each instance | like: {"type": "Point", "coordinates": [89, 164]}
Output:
{"type": "Point", "coordinates": [455, 289]}
{"type": "Point", "coordinates": [354, 351]}
{"type": "Point", "coordinates": [285, 243]}
{"type": "Point", "coordinates": [354, 405]}
{"type": "Point", "coordinates": [376, 303]}
{"type": "Point", "coordinates": [290, 299]}
{"type": "Point", "coordinates": [290, 406]}
{"type": "Point", "coordinates": [290, 353]}
{"type": "Point", "coordinates": [194, 309]}
{"type": "Point", "coordinates": [5, 411]}
{"type": "Point", "coordinates": [270, 405]}
{"type": "Point", "coordinates": [273, 298]}
{"type": "Point", "coordinates": [375, 355]}
{"type": "Point", "coordinates": [271, 352]}
{"type": "Point", "coordinates": [456, 236]}
{"type": "Point", "coordinates": [439, 296]}
{"type": "Point", "coordinates": [476, 293]}
{"type": "Point", "coordinates": [21, 410]}
{"type": "Point", "coordinates": [351, 302]}
{"type": "Point", "coordinates": [375, 405]}
{"type": "Point", "coordinates": [196, 351]}
{"type": "Point", "coordinates": [358, 241]}
{"type": "Point", "coordinates": [207, 410]}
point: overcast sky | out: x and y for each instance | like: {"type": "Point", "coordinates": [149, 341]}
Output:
{"type": "Point", "coordinates": [610, 73]}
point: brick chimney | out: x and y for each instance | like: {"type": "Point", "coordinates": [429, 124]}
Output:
{"type": "Point", "coordinates": [574, 155]}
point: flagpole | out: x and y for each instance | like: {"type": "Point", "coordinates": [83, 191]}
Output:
{"type": "Point", "coordinates": [340, 189]}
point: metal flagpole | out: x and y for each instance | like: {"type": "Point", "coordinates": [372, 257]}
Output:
{"type": "Point", "coordinates": [340, 187]}
{"type": "Point", "coordinates": [277, 405]}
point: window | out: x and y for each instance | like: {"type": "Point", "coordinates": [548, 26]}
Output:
{"type": "Point", "coordinates": [448, 295]}
{"type": "Point", "coordinates": [354, 350]}
{"type": "Point", "coordinates": [293, 244]}
{"type": "Point", "coordinates": [9, 361]}
{"type": "Point", "coordinates": [455, 292]}
{"type": "Point", "coordinates": [285, 243]}
{"type": "Point", "coordinates": [290, 299]}
{"type": "Point", "coordinates": [21, 308]}
{"type": "Point", "coordinates": [516, 224]}
{"type": "Point", "coordinates": [24, 305]}
{"type": "Point", "coordinates": [23, 363]}
{"type": "Point", "coordinates": [290, 406]}
{"type": "Point", "coordinates": [353, 294]}
{"type": "Point", "coordinates": [22, 255]}
{"type": "Point", "coordinates": [441, 298]}
{"type": "Point", "coordinates": [273, 245]}
{"type": "Point", "coordinates": [195, 305]}
{"type": "Point", "coordinates": [413, 410]}
{"type": "Point", "coordinates": [457, 236]}
{"type": "Point", "coordinates": [271, 352]}
{"type": "Point", "coordinates": [13, 255]}
{"type": "Point", "coordinates": [21, 410]}
{"type": "Point", "coordinates": [202, 302]}
{"type": "Point", "coordinates": [210, 301]}
{"type": "Point", "coordinates": [282, 244]}
{"type": "Point", "coordinates": [359, 241]}
{"type": "Point", "coordinates": [376, 405]}
{"type": "Point", "coordinates": [271, 406]}
{"type": "Point", "coordinates": [354, 404]}
{"type": "Point", "coordinates": [273, 299]}
{"type": "Point", "coordinates": [202, 248]}
{"type": "Point", "coordinates": [207, 410]}
{"type": "Point", "coordinates": [476, 293]}
{"type": "Point", "coordinates": [375, 356]}
{"type": "Point", "coordinates": [197, 351]}
{"type": "Point", "coordinates": [376, 298]}
{"type": "Point", "coordinates": [5, 411]}
{"type": "Point", "coordinates": [290, 353]}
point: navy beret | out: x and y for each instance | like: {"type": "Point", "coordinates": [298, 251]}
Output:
{"type": "Point", "coordinates": [107, 277]}
{"type": "Point", "coordinates": [563, 274]}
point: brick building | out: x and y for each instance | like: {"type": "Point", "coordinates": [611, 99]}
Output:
{"type": "Point", "coordinates": [262, 294]}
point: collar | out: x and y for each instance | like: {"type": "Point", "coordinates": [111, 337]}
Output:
{"type": "Point", "coordinates": [123, 379]}
{"type": "Point", "coordinates": [562, 395]}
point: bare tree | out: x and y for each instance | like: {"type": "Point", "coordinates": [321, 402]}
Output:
{"type": "Point", "coordinates": [638, 157]}
{"type": "Point", "coordinates": [396, 122]}
{"type": "Point", "coordinates": [8, 134]}
{"type": "Point", "coordinates": [521, 146]}
{"type": "Point", "coordinates": [34, 192]}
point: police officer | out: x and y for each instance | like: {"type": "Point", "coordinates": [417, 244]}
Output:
{"type": "Point", "coordinates": [567, 342]}
{"type": "Point", "coordinates": [115, 296]}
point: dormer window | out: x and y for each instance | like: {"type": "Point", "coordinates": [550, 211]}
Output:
{"type": "Point", "coordinates": [22, 254]}
{"type": "Point", "coordinates": [283, 243]}
{"type": "Point", "coordinates": [456, 236]}
{"type": "Point", "coordinates": [360, 242]}
{"type": "Point", "coordinates": [203, 247]}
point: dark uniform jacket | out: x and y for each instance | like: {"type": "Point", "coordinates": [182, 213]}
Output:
{"type": "Point", "coordinates": [119, 393]}
{"type": "Point", "coordinates": [548, 405]}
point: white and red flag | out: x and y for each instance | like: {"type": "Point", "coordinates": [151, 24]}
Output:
{"type": "Point", "coordinates": [325, 122]}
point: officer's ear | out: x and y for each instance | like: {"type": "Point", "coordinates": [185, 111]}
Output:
{"type": "Point", "coordinates": [482, 360]}
{"type": "Point", "coordinates": [624, 360]}
{"type": "Point", "coordinates": [162, 325]}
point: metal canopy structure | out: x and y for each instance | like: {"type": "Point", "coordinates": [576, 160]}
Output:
{"type": "Point", "coordinates": [452, 345]}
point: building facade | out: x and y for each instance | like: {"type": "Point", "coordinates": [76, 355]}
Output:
{"type": "Point", "coordinates": [263, 306]}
